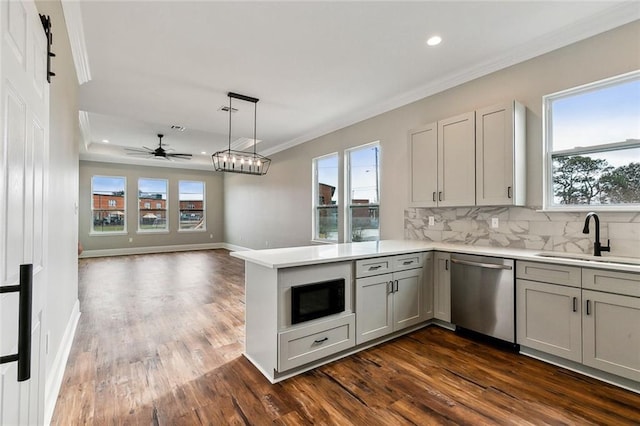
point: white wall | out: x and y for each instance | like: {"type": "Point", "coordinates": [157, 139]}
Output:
{"type": "Point", "coordinates": [62, 263]}
{"type": "Point", "coordinates": [276, 209]}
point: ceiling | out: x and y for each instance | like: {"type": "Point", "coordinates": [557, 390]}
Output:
{"type": "Point", "coordinates": [315, 66]}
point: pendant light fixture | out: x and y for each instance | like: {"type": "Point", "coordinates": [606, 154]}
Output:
{"type": "Point", "coordinates": [246, 163]}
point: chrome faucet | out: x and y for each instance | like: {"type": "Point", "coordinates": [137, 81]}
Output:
{"type": "Point", "coordinates": [597, 247]}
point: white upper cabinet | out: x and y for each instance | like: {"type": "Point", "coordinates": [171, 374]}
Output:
{"type": "Point", "coordinates": [500, 160]}
{"type": "Point", "coordinates": [477, 158]}
{"type": "Point", "coordinates": [423, 149]}
{"type": "Point", "coordinates": [456, 161]}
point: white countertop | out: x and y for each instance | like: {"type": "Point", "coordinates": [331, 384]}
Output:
{"type": "Point", "coordinates": [327, 253]}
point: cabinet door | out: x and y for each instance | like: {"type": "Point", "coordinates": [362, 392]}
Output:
{"type": "Point", "coordinates": [611, 333]}
{"type": "Point", "coordinates": [442, 287]}
{"type": "Point", "coordinates": [427, 286]}
{"type": "Point", "coordinates": [423, 149]}
{"type": "Point", "coordinates": [374, 307]}
{"type": "Point", "coordinates": [407, 298]}
{"type": "Point", "coordinates": [457, 161]}
{"type": "Point", "coordinates": [494, 155]}
{"type": "Point", "coordinates": [548, 318]}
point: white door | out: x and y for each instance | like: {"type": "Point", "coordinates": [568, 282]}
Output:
{"type": "Point", "coordinates": [24, 121]}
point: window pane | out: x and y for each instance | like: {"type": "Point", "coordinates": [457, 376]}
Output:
{"type": "Point", "coordinates": [365, 224]}
{"type": "Point", "coordinates": [611, 177]}
{"type": "Point", "coordinates": [191, 196]}
{"type": "Point", "coordinates": [594, 144]}
{"type": "Point", "coordinates": [601, 115]}
{"type": "Point", "coordinates": [327, 169]}
{"type": "Point", "coordinates": [108, 203]}
{"type": "Point", "coordinates": [327, 223]}
{"type": "Point", "coordinates": [363, 179]}
{"type": "Point", "coordinates": [152, 202]}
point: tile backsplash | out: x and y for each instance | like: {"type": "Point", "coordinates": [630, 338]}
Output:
{"type": "Point", "coordinates": [524, 227]}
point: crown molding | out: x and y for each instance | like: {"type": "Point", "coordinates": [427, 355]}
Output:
{"type": "Point", "coordinates": [75, 29]}
{"type": "Point", "coordinates": [146, 162]}
{"type": "Point", "coordinates": [615, 16]}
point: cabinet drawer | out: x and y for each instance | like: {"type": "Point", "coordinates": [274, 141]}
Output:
{"type": "Point", "coordinates": [549, 273]}
{"type": "Point", "coordinates": [375, 266]}
{"type": "Point", "coordinates": [408, 261]}
{"type": "Point", "coordinates": [626, 283]}
{"type": "Point", "coordinates": [306, 344]}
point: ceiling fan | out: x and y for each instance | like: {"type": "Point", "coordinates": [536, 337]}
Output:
{"type": "Point", "coordinates": [158, 152]}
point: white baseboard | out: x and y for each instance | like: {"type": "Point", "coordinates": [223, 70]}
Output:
{"type": "Point", "coordinates": [55, 376]}
{"type": "Point", "coordinates": [233, 247]}
{"type": "Point", "coordinates": [152, 249]}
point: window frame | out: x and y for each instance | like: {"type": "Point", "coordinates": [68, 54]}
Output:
{"type": "Point", "coordinates": [204, 207]}
{"type": "Point", "coordinates": [92, 230]}
{"type": "Point", "coordinates": [314, 201]}
{"type": "Point", "coordinates": [348, 237]}
{"type": "Point", "coordinates": [548, 153]}
{"type": "Point", "coordinates": [164, 230]}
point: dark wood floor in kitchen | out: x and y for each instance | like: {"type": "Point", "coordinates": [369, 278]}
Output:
{"type": "Point", "coordinates": [160, 342]}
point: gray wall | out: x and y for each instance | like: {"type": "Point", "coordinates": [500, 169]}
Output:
{"type": "Point", "coordinates": [214, 207]}
{"type": "Point", "coordinates": [62, 261]}
{"type": "Point", "coordinates": [275, 210]}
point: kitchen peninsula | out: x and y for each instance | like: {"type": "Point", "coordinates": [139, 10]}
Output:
{"type": "Point", "coordinates": [307, 306]}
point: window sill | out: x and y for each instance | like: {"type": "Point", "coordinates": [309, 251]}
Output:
{"type": "Point", "coordinates": [323, 242]}
{"type": "Point", "coordinates": [597, 209]}
{"type": "Point", "coordinates": [107, 233]}
{"type": "Point", "coordinates": [159, 231]}
{"type": "Point", "coordinates": [192, 230]}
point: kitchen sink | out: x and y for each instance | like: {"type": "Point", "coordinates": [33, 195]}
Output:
{"type": "Point", "coordinates": [591, 258]}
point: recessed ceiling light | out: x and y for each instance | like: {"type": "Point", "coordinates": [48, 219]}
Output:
{"type": "Point", "coordinates": [203, 152]}
{"type": "Point", "coordinates": [434, 41]}
{"type": "Point", "coordinates": [105, 140]}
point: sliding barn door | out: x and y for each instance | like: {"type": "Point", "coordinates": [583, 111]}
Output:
{"type": "Point", "coordinates": [24, 121]}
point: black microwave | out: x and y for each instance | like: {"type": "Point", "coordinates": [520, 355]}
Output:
{"type": "Point", "coordinates": [317, 300]}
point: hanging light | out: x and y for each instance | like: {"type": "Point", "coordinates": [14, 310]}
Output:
{"type": "Point", "coordinates": [232, 161]}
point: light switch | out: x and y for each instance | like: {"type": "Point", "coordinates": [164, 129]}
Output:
{"type": "Point", "coordinates": [432, 221]}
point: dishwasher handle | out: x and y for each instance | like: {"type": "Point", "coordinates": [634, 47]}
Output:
{"type": "Point", "coordinates": [482, 265]}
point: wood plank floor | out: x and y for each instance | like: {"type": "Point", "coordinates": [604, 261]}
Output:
{"type": "Point", "coordinates": [160, 342]}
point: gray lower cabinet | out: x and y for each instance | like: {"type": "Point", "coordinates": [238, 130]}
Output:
{"type": "Point", "coordinates": [611, 333]}
{"type": "Point", "coordinates": [549, 318]}
{"type": "Point", "coordinates": [586, 315]}
{"type": "Point", "coordinates": [442, 286]}
{"type": "Point", "coordinates": [392, 301]}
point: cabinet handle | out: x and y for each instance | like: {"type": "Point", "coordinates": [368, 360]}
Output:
{"type": "Point", "coordinates": [434, 195]}
{"type": "Point", "coordinates": [588, 307]}
{"type": "Point", "coordinates": [407, 262]}
{"type": "Point", "coordinates": [575, 304]}
{"type": "Point", "coordinates": [446, 264]}
{"type": "Point", "coordinates": [390, 287]}
{"type": "Point", "coordinates": [440, 196]}
{"type": "Point", "coordinates": [324, 339]}
{"type": "Point", "coordinates": [374, 268]}
{"type": "Point", "coordinates": [508, 192]}
{"type": "Point", "coordinates": [397, 286]}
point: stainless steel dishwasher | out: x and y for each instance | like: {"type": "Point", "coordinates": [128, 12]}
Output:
{"type": "Point", "coordinates": [483, 295]}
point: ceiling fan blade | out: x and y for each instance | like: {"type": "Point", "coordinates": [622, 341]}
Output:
{"type": "Point", "coordinates": [136, 150]}
{"type": "Point", "coordinates": [178, 155]}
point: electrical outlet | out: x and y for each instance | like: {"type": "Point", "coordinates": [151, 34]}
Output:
{"type": "Point", "coordinates": [130, 240]}
{"type": "Point", "coordinates": [432, 221]}
{"type": "Point", "coordinates": [266, 243]}
{"type": "Point", "coordinates": [494, 222]}
{"type": "Point", "coordinates": [211, 236]}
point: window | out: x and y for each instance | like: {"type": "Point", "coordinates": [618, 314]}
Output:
{"type": "Point", "coordinates": [325, 198]}
{"type": "Point", "coordinates": [152, 191]}
{"type": "Point", "coordinates": [593, 145]}
{"type": "Point", "coordinates": [191, 197]}
{"type": "Point", "coordinates": [363, 193]}
{"type": "Point", "coordinates": [108, 204]}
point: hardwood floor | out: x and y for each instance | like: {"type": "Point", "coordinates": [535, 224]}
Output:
{"type": "Point", "coordinates": [160, 341]}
